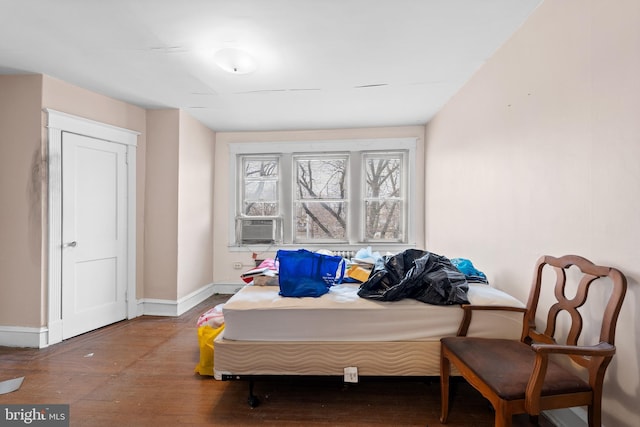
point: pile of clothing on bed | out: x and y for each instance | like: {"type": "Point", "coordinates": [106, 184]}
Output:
{"type": "Point", "coordinates": [413, 273]}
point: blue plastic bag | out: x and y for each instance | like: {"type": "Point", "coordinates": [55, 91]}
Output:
{"type": "Point", "coordinates": [303, 273]}
{"type": "Point", "coordinates": [471, 273]}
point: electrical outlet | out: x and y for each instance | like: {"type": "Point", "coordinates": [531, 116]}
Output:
{"type": "Point", "coordinates": [351, 374]}
{"type": "Point", "coordinates": [237, 265]}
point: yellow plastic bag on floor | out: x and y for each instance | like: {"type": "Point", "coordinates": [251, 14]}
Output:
{"type": "Point", "coordinates": [206, 335]}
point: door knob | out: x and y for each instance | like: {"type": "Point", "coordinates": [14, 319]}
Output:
{"type": "Point", "coordinates": [70, 245]}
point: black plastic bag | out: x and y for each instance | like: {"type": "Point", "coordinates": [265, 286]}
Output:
{"type": "Point", "coordinates": [417, 274]}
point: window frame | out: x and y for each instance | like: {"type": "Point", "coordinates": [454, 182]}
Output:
{"type": "Point", "coordinates": [355, 149]}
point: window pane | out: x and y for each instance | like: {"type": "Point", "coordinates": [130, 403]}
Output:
{"type": "Point", "coordinates": [321, 220]}
{"type": "Point", "coordinates": [260, 168]}
{"type": "Point", "coordinates": [260, 209]}
{"type": "Point", "coordinates": [260, 186]}
{"type": "Point", "coordinates": [383, 220]}
{"type": "Point", "coordinates": [383, 177]}
{"type": "Point", "coordinates": [383, 202]}
{"type": "Point", "coordinates": [261, 190]}
{"type": "Point", "coordinates": [321, 178]}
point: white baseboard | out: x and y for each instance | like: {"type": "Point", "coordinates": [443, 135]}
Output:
{"type": "Point", "coordinates": [19, 336]}
{"type": "Point", "coordinates": [227, 289]}
{"type": "Point", "coordinates": [22, 336]}
{"type": "Point", "coordinates": [160, 307]}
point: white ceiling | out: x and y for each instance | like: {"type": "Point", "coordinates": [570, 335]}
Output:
{"type": "Point", "coordinates": [321, 63]}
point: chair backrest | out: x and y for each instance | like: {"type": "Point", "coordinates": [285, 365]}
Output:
{"type": "Point", "coordinates": [589, 273]}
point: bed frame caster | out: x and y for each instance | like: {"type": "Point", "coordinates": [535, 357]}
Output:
{"type": "Point", "coordinates": [252, 400]}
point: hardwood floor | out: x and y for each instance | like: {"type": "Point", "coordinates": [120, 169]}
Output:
{"type": "Point", "coordinates": [141, 373]}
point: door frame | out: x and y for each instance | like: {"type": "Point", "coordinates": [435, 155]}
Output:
{"type": "Point", "coordinates": [57, 123]}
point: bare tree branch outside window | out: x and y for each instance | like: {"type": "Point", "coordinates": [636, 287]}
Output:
{"type": "Point", "coordinates": [321, 207]}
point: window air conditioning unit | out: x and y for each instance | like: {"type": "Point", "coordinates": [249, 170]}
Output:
{"type": "Point", "coordinates": [256, 231]}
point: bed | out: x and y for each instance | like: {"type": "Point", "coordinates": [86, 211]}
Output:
{"type": "Point", "coordinates": [269, 335]}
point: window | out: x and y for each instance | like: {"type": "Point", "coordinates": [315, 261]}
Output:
{"type": "Point", "coordinates": [320, 201]}
{"type": "Point", "coordinates": [383, 197]}
{"type": "Point", "coordinates": [323, 193]}
{"type": "Point", "coordinates": [260, 186]}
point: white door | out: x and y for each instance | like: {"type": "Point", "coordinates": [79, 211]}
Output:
{"type": "Point", "coordinates": [94, 233]}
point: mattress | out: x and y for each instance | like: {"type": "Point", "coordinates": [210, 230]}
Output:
{"type": "Point", "coordinates": [259, 313]}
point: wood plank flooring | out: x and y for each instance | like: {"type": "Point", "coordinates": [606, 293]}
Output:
{"type": "Point", "coordinates": [141, 373]}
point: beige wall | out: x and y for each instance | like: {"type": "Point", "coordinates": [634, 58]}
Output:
{"type": "Point", "coordinates": [538, 154]}
{"type": "Point", "coordinates": [195, 204]}
{"type": "Point", "coordinates": [161, 199]}
{"type": "Point", "coordinates": [178, 245]}
{"type": "Point", "coordinates": [22, 172]}
{"type": "Point", "coordinates": [224, 257]}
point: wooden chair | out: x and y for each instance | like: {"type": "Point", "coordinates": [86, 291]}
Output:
{"type": "Point", "coordinates": [518, 376]}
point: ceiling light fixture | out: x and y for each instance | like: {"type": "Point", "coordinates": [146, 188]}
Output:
{"type": "Point", "coordinates": [235, 61]}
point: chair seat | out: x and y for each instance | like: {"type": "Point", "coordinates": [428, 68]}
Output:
{"type": "Point", "coordinates": [505, 366]}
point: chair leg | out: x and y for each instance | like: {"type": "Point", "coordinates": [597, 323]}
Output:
{"type": "Point", "coordinates": [594, 414]}
{"type": "Point", "coordinates": [504, 418]}
{"type": "Point", "coordinates": [445, 368]}
{"type": "Point", "coordinates": [594, 411]}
